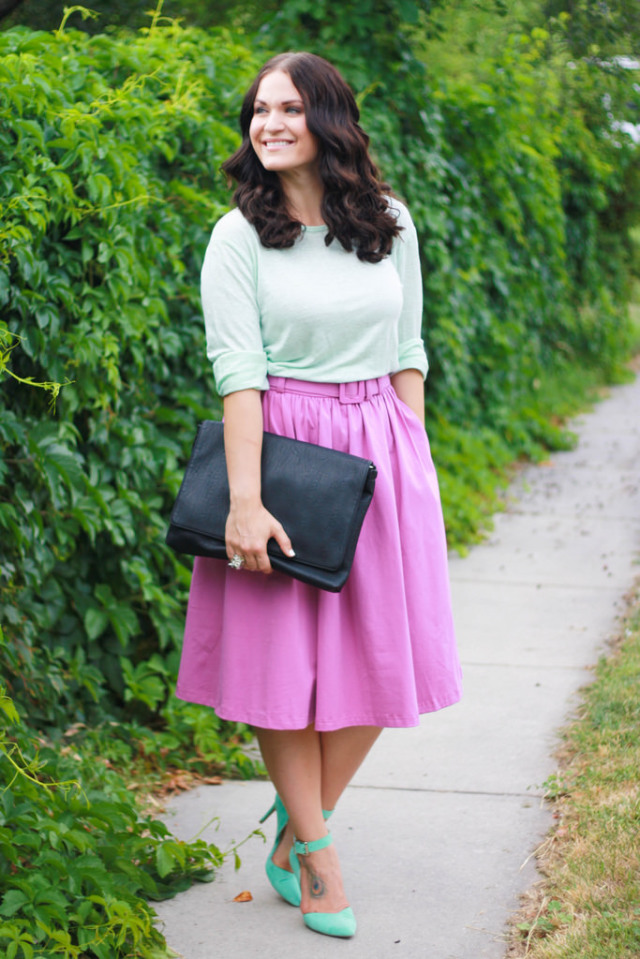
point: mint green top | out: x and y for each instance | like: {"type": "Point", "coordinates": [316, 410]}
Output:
{"type": "Point", "coordinates": [312, 312]}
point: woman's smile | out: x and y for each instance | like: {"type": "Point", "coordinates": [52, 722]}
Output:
{"type": "Point", "coordinates": [276, 144]}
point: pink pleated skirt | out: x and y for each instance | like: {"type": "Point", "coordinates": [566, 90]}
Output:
{"type": "Point", "coordinates": [275, 653]}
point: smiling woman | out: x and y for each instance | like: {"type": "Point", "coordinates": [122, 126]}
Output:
{"type": "Point", "coordinates": [312, 300]}
{"type": "Point", "coordinates": [341, 188]}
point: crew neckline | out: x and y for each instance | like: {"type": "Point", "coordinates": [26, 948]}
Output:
{"type": "Point", "coordinates": [314, 229]}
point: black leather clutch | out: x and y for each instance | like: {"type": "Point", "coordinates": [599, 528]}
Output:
{"type": "Point", "coordinates": [319, 495]}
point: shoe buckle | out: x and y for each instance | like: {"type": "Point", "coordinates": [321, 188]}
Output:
{"type": "Point", "coordinates": [305, 851]}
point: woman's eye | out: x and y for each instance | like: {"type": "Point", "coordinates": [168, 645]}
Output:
{"type": "Point", "coordinates": [258, 111]}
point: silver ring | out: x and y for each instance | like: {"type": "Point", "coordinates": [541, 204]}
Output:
{"type": "Point", "coordinates": [237, 561]}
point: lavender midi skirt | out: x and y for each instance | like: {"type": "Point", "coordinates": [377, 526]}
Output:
{"type": "Point", "coordinates": [273, 652]}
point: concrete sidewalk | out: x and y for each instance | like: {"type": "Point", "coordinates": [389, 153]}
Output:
{"type": "Point", "coordinates": [436, 832]}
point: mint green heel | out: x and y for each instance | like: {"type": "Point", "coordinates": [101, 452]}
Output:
{"type": "Point", "coordinates": [285, 883]}
{"type": "Point", "coordinates": [340, 924]}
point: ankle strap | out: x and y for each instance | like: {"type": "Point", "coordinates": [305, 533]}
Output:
{"type": "Point", "coordinates": [305, 848]}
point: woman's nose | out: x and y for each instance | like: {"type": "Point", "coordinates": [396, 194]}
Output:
{"type": "Point", "coordinates": [274, 121]}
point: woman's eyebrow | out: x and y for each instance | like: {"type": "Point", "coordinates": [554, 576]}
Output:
{"type": "Point", "coordinates": [285, 103]}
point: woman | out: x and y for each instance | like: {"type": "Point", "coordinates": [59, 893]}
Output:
{"type": "Point", "coordinates": [312, 301]}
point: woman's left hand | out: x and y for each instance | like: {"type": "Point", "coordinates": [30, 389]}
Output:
{"type": "Point", "coordinates": [409, 387]}
{"type": "Point", "coordinates": [248, 531]}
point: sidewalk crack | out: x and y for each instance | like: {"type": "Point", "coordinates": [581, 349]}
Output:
{"type": "Point", "coordinates": [452, 792]}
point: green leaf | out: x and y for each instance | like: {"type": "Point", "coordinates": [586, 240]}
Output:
{"type": "Point", "coordinates": [165, 860]}
{"type": "Point", "coordinates": [95, 622]}
{"type": "Point", "coordinates": [12, 902]}
{"type": "Point", "coordinates": [124, 622]}
{"type": "Point", "coordinates": [8, 707]}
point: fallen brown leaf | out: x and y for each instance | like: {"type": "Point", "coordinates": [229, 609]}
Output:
{"type": "Point", "coordinates": [243, 897]}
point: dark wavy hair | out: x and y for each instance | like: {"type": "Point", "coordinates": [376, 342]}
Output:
{"type": "Point", "coordinates": [354, 206]}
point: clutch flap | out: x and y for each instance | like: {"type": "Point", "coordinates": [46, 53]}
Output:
{"type": "Point", "coordinates": [316, 493]}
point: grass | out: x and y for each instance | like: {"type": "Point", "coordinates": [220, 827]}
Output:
{"type": "Point", "coordinates": [475, 465]}
{"type": "Point", "coordinates": [588, 904]}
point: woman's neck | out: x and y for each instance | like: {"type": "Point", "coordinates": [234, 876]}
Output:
{"type": "Point", "coordinates": [304, 192]}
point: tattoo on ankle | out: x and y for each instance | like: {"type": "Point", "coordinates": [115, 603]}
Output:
{"type": "Point", "coordinates": [317, 887]}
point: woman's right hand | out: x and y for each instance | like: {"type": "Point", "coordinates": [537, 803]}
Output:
{"type": "Point", "coordinates": [249, 528]}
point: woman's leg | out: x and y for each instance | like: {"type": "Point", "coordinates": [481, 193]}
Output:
{"type": "Point", "coordinates": [310, 770]}
{"type": "Point", "coordinates": [343, 752]}
{"type": "Point", "coordinates": [293, 758]}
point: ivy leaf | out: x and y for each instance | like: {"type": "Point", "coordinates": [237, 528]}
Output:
{"type": "Point", "coordinates": [124, 622]}
{"type": "Point", "coordinates": [95, 622]}
{"type": "Point", "coordinates": [12, 902]}
{"type": "Point", "coordinates": [8, 708]}
{"type": "Point", "coordinates": [165, 860]}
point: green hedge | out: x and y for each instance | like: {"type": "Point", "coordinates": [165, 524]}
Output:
{"type": "Point", "coordinates": [109, 192]}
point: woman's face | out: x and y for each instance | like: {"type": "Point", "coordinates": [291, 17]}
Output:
{"type": "Point", "coordinates": [278, 131]}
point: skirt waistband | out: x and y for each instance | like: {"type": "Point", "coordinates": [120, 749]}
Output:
{"type": "Point", "coordinates": [356, 392]}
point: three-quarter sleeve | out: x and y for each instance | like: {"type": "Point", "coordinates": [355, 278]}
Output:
{"type": "Point", "coordinates": [230, 307]}
{"type": "Point", "coordinates": [406, 258]}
